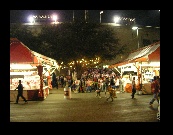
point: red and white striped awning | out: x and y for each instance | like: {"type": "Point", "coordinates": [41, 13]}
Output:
{"type": "Point", "coordinates": [20, 53]}
{"type": "Point", "coordinates": [143, 53]}
{"type": "Point", "coordinates": [150, 53]}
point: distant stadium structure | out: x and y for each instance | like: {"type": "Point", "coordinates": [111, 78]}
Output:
{"type": "Point", "coordinates": [124, 20]}
{"type": "Point", "coordinates": [43, 18]}
{"type": "Point", "coordinates": [54, 18]}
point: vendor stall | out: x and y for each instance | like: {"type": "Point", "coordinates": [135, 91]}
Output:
{"type": "Point", "coordinates": [31, 68]}
{"type": "Point", "coordinates": [145, 64]}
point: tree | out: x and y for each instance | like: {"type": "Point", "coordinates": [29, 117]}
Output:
{"type": "Point", "coordinates": [72, 42]}
{"type": "Point", "coordinates": [25, 36]}
{"type": "Point", "coordinates": [77, 44]}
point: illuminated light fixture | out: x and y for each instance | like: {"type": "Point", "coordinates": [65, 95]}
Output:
{"type": "Point", "coordinates": [148, 26]}
{"type": "Point", "coordinates": [21, 66]}
{"type": "Point", "coordinates": [54, 17]}
{"type": "Point", "coordinates": [21, 73]}
{"type": "Point", "coordinates": [117, 19]}
{"type": "Point", "coordinates": [31, 19]}
{"type": "Point", "coordinates": [136, 28]}
{"type": "Point", "coordinates": [154, 64]}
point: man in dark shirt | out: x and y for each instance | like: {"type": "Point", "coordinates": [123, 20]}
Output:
{"type": "Point", "coordinates": [133, 88]}
{"type": "Point", "coordinates": [155, 89]}
{"type": "Point", "coordinates": [20, 92]}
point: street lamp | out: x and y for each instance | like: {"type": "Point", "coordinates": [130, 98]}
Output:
{"type": "Point", "coordinates": [100, 15]}
{"type": "Point", "coordinates": [136, 28]}
{"type": "Point", "coordinates": [116, 19]}
{"type": "Point", "coordinates": [73, 15]}
{"type": "Point", "coordinates": [54, 17]}
{"type": "Point", "coordinates": [31, 19]}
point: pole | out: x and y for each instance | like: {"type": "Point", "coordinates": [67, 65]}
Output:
{"type": "Point", "coordinates": [73, 15]}
{"type": "Point", "coordinates": [136, 28]}
{"type": "Point", "coordinates": [40, 73]}
{"type": "Point", "coordinates": [137, 37]}
{"type": "Point", "coordinates": [100, 15]}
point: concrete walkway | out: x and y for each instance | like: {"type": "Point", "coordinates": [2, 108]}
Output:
{"type": "Point", "coordinates": [85, 107]}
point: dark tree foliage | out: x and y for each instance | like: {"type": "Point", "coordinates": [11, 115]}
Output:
{"type": "Point", "coordinates": [69, 42]}
{"type": "Point", "coordinates": [73, 41]}
{"type": "Point", "coordinates": [25, 36]}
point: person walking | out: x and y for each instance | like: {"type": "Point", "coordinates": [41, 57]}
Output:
{"type": "Point", "coordinates": [133, 88]}
{"type": "Point", "coordinates": [111, 93]}
{"type": "Point", "coordinates": [98, 91]}
{"type": "Point", "coordinates": [20, 92]}
{"type": "Point", "coordinates": [155, 89]}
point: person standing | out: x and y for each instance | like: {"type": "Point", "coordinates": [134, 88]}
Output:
{"type": "Point", "coordinates": [106, 84]}
{"type": "Point", "coordinates": [112, 82]}
{"type": "Point", "coordinates": [155, 89]}
{"type": "Point", "coordinates": [98, 91]}
{"type": "Point", "coordinates": [117, 83]}
{"type": "Point", "coordinates": [133, 88]}
{"type": "Point", "coordinates": [54, 80]}
{"type": "Point", "coordinates": [88, 86]}
{"type": "Point", "coordinates": [62, 81]}
{"type": "Point", "coordinates": [81, 86]}
{"type": "Point", "coordinates": [121, 81]}
{"type": "Point", "coordinates": [20, 92]}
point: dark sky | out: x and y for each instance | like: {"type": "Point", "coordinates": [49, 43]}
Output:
{"type": "Point", "coordinates": [143, 17]}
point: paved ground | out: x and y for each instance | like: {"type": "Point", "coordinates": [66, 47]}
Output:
{"type": "Point", "coordinates": [85, 107]}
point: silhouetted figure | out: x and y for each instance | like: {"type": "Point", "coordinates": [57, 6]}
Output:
{"type": "Point", "coordinates": [20, 92]}
{"type": "Point", "coordinates": [54, 81]}
{"type": "Point", "coordinates": [133, 87]}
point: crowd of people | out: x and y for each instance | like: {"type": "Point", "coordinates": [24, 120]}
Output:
{"type": "Point", "coordinates": [93, 80]}
{"type": "Point", "coordinates": [102, 80]}
{"type": "Point", "coordinates": [107, 81]}
{"type": "Point", "coordinates": [98, 80]}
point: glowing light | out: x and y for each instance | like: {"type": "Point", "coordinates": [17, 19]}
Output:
{"type": "Point", "coordinates": [116, 19]}
{"type": "Point", "coordinates": [31, 19]}
{"type": "Point", "coordinates": [55, 17]}
{"type": "Point", "coordinates": [134, 28]}
{"type": "Point", "coordinates": [21, 66]}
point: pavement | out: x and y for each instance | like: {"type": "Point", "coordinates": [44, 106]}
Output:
{"type": "Point", "coordinates": [85, 107]}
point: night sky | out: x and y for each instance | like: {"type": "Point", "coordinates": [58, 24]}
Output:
{"type": "Point", "coordinates": [143, 17]}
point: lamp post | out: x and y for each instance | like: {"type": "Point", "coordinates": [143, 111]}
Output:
{"type": "Point", "coordinates": [54, 18]}
{"type": "Point", "coordinates": [73, 15]}
{"type": "Point", "coordinates": [116, 19]}
{"type": "Point", "coordinates": [136, 28]}
{"type": "Point", "coordinates": [100, 15]}
{"type": "Point", "coordinates": [31, 19]}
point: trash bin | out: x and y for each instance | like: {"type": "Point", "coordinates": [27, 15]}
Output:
{"type": "Point", "coordinates": [67, 93]}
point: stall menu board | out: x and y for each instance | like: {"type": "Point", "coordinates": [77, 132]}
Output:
{"type": "Point", "coordinates": [16, 76]}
